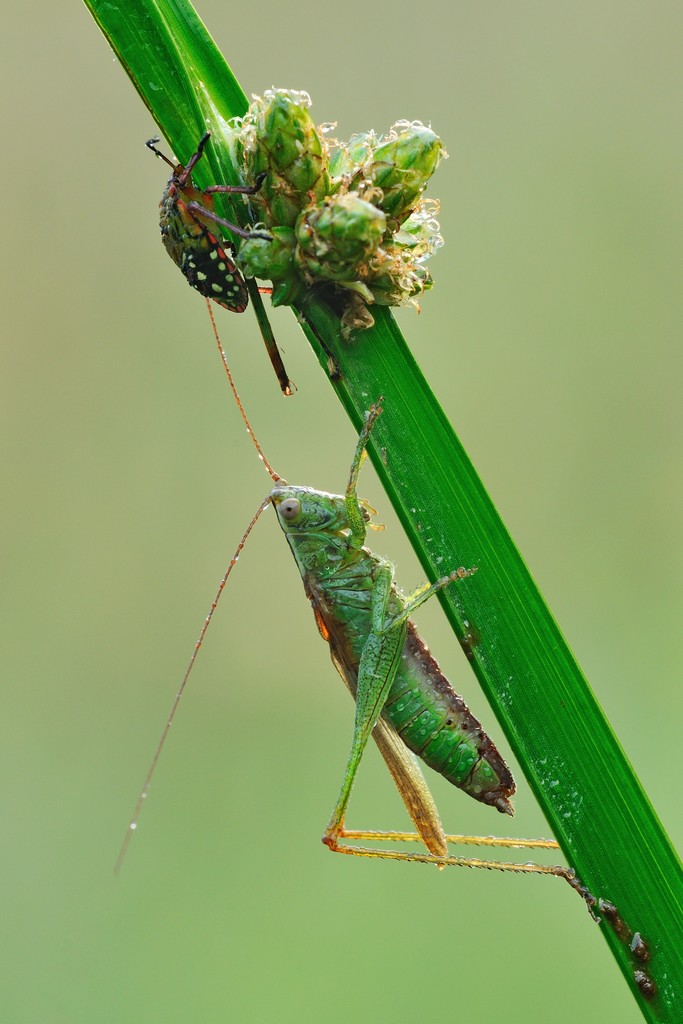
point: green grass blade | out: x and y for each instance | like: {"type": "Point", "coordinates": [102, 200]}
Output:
{"type": "Point", "coordinates": [571, 758]}
{"type": "Point", "coordinates": [584, 783]}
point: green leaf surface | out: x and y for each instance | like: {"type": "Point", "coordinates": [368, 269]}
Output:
{"type": "Point", "coordinates": [586, 787]}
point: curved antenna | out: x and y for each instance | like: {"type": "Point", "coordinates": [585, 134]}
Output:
{"type": "Point", "coordinates": [157, 152]}
{"type": "Point", "coordinates": [174, 707]}
{"type": "Point", "coordinates": [275, 477]}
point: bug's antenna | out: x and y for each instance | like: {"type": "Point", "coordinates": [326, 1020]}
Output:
{"type": "Point", "coordinates": [169, 722]}
{"type": "Point", "coordinates": [151, 145]}
{"type": "Point", "coordinates": [275, 477]}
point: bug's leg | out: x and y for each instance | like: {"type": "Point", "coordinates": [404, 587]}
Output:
{"type": "Point", "coordinates": [379, 662]}
{"type": "Point", "coordinates": [556, 870]}
{"type": "Point", "coordinates": [412, 787]}
{"type": "Point", "coordinates": [391, 633]}
{"type": "Point", "coordinates": [198, 211]}
{"type": "Point", "coordinates": [507, 842]}
{"type": "Point", "coordinates": [244, 190]}
{"type": "Point", "coordinates": [193, 161]}
{"type": "Point", "coordinates": [357, 517]}
{"type": "Point", "coordinates": [413, 601]}
{"type": "Point", "coordinates": [287, 386]}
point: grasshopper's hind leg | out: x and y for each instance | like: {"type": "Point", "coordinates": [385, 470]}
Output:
{"type": "Point", "coordinates": [557, 870]}
{"type": "Point", "coordinates": [380, 658]}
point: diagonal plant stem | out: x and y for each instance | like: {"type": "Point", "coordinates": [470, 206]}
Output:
{"type": "Point", "coordinates": [572, 760]}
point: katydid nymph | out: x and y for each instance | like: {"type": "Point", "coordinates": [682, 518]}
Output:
{"type": "Point", "coordinates": [402, 698]}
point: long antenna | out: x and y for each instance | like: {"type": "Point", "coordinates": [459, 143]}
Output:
{"type": "Point", "coordinates": [132, 827]}
{"type": "Point", "coordinates": [174, 707]}
{"type": "Point", "coordinates": [275, 477]}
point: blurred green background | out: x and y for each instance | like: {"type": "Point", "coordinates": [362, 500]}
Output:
{"type": "Point", "coordinates": [552, 338]}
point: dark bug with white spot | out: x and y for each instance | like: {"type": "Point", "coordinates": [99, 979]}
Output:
{"type": "Point", "coordinates": [186, 220]}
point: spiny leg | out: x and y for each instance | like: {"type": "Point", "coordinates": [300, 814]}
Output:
{"type": "Point", "coordinates": [557, 870]}
{"type": "Point", "coordinates": [357, 518]}
{"type": "Point", "coordinates": [358, 835]}
{"type": "Point", "coordinates": [371, 417]}
{"type": "Point", "coordinates": [414, 600]}
{"type": "Point", "coordinates": [379, 663]}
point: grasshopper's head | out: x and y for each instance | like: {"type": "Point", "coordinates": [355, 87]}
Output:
{"type": "Point", "coordinates": [302, 510]}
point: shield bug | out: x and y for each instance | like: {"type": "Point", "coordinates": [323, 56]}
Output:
{"type": "Point", "coordinates": [189, 233]}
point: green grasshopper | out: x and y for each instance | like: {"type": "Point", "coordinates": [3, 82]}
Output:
{"type": "Point", "coordinates": [402, 698]}
{"type": "Point", "coordinates": [375, 647]}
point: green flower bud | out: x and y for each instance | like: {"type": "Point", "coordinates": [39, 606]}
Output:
{"type": "Point", "coordinates": [400, 283]}
{"type": "Point", "coordinates": [273, 261]}
{"type": "Point", "coordinates": [269, 260]}
{"type": "Point", "coordinates": [421, 232]}
{"type": "Point", "coordinates": [400, 166]}
{"type": "Point", "coordinates": [337, 237]}
{"type": "Point", "coordinates": [397, 272]}
{"type": "Point", "coordinates": [356, 220]}
{"type": "Point", "coordinates": [403, 166]}
{"type": "Point", "coordinates": [277, 137]}
{"type": "Point", "coordinates": [347, 161]}
{"type": "Point", "coordinates": [287, 291]}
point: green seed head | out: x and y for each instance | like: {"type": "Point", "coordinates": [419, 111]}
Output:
{"type": "Point", "coordinates": [420, 232]}
{"type": "Point", "coordinates": [400, 283]}
{"type": "Point", "coordinates": [395, 168]}
{"type": "Point", "coordinates": [277, 137]}
{"type": "Point", "coordinates": [356, 218]}
{"type": "Point", "coordinates": [273, 260]}
{"type": "Point", "coordinates": [336, 237]}
{"type": "Point", "coordinates": [349, 158]}
{"type": "Point", "coordinates": [397, 272]}
{"type": "Point", "coordinates": [269, 260]}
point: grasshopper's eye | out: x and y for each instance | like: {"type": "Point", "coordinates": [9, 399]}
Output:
{"type": "Point", "coordinates": [290, 508]}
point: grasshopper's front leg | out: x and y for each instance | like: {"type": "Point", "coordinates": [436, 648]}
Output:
{"type": "Point", "coordinates": [357, 517]}
{"type": "Point", "coordinates": [382, 651]}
